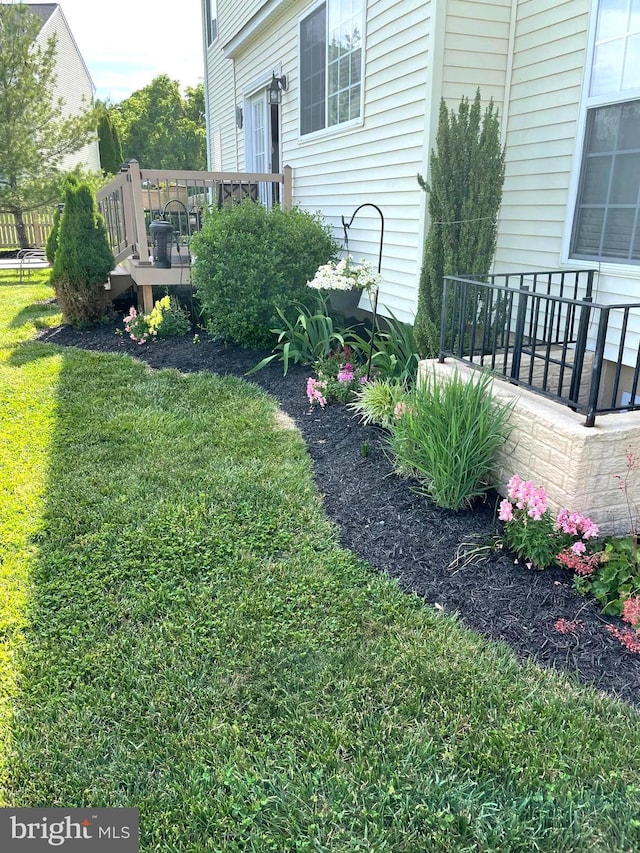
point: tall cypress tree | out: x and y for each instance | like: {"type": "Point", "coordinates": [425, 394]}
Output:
{"type": "Point", "coordinates": [109, 144]}
{"type": "Point", "coordinates": [465, 190]}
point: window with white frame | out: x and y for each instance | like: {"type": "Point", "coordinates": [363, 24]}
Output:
{"type": "Point", "coordinates": [607, 216]}
{"type": "Point", "coordinates": [211, 20]}
{"type": "Point", "coordinates": [331, 65]}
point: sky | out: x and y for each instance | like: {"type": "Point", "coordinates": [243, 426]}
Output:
{"type": "Point", "coordinates": [126, 43]}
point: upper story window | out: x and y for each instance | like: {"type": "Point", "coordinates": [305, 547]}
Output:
{"type": "Point", "coordinates": [607, 215]}
{"type": "Point", "coordinates": [211, 20]}
{"type": "Point", "coordinates": [331, 65]}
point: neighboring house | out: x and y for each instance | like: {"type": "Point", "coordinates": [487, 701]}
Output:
{"type": "Point", "coordinates": [358, 119]}
{"type": "Point", "coordinates": [73, 82]}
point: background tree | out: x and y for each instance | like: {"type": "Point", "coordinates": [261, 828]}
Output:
{"type": "Point", "coordinates": [108, 142]}
{"type": "Point", "coordinates": [161, 129]}
{"type": "Point", "coordinates": [465, 190]}
{"type": "Point", "coordinates": [83, 259]}
{"type": "Point", "coordinates": [35, 136]}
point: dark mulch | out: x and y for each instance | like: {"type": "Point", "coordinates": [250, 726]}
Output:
{"type": "Point", "coordinates": [384, 521]}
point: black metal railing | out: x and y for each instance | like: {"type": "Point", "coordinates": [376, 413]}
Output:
{"type": "Point", "coordinates": [543, 331]}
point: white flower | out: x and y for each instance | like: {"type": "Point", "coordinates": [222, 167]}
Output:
{"type": "Point", "coordinates": [345, 275]}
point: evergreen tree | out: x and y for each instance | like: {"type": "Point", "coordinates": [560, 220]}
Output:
{"type": "Point", "coordinates": [35, 136]}
{"type": "Point", "coordinates": [109, 143]}
{"type": "Point", "coordinates": [83, 259]}
{"type": "Point", "coordinates": [465, 190]}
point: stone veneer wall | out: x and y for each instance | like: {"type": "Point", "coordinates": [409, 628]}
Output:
{"type": "Point", "coordinates": [575, 464]}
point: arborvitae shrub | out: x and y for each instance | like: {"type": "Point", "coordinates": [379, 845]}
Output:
{"type": "Point", "coordinates": [250, 261]}
{"type": "Point", "coordinates": [83, 259]}
{"type": "Point", "coordinates": [465, 190]}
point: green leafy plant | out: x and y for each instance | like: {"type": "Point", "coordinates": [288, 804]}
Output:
{"type": "Point", "coordinates": [448, 436]}
{"type": "Point", "coordinates": [167, 319]}
{"type": "Point", "coordinates": [307, 339]}
{"type": "Point", "coordinates": [339, 376]}
{"type": "Point", "coordinates": [396, 353]}
{"type": "Point", "coordinates": [377, 402]}
{"type": "Point", "coordinates": [615, 577]}
{"type": "Point", "coordinates": [252, 267]}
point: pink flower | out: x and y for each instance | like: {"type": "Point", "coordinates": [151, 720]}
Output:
{"type": "Point", "coordinates": [567, 626]}
{"type": "Point", "coordinates": [314, 392]}
{"type": "Point", "coordinates": [400, 410]}
{"type": "Point", "coordinates": [506, 510]}
{"type": "Point", "coordinates": [631, 611]}
{"type": "Point", "coordinates": [345, 374]}
{"type": "Point", "coordinates": [578, 547]}
{"type": "Point", "coordinates": [630, 639]}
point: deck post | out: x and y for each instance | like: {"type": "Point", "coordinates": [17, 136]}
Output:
{"type": "Point", "coordinates": [287, 193]}
{"type": "Point", "coordinates": [140, 227]}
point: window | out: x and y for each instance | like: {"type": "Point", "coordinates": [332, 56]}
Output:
{"type": "Point", "coordinates": [211, 20]}
{"type": "Point", "coordinates": [331, 65]}
{"type": "Point", "coordinates": [607, 217]}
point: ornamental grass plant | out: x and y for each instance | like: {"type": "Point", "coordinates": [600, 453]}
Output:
{"type": "Point", "coordinates": [447, 437]}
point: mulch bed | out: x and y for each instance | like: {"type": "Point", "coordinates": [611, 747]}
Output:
{"type": "Point", "coordinates": [383, 520]}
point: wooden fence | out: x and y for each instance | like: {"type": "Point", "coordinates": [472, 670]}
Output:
{"type": "Point", "coordinates": [37, 224]}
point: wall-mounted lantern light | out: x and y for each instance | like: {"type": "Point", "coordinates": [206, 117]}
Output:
{"type": "Point", "coordinates": [275, 89]}
{"type": "Point", "coordinates": [239, 117]}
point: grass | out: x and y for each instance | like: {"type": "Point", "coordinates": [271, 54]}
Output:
{"type": "Point", "coordinates": [181, 633]}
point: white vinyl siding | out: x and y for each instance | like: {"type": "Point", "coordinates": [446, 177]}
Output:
{"type": "Point", "coordinates": [73, 85]}
{"type": "Point", "coordinates": [549, 50]}
{"type": "Point", "coordinates": [373, 162]}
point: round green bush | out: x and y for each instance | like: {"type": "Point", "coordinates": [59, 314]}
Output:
{"type": "Point", "coordinates": [250, 261]}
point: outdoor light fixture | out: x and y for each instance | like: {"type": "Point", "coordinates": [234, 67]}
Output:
{"type": "Point", "coordinates": [239, 117]}
{"type": "Point", "coordinates": [277, 86]}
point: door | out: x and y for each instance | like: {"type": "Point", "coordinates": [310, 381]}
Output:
{"type": "Point", "coordinates": [263, 142]}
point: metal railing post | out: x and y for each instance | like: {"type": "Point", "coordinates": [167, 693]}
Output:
{"type": "Point", "coordinates": [596, 373]}
{"type": "Point", "coordinates": [581, 344]}
{"type": "Point", "coordinates": [521, 316]}
{"type": "Point", "coordinates": [443, 318]}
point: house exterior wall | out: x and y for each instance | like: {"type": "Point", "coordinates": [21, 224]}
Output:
{"type": "Point", "coordinates": [541, 125]}
{"type": "Point", "coordinates": [414, 54]}
{"type": "Point", "coordinates": [530, 56]}
{"type": "Point", "coordinates": [73, 84]}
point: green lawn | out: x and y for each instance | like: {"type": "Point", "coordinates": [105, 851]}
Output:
{"type": "Point", "coordinates": [181, 633]}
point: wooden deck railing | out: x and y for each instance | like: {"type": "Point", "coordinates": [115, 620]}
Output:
{"type": "Point", "coordinates": [135, 197]}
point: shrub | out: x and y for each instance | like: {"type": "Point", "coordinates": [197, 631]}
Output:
{"type": "Point", "coordinates": [250, 262]}
{"type": "Point", "coordinates": [447, 436]}
{"type": "Point", "coordinates": [83, 259]}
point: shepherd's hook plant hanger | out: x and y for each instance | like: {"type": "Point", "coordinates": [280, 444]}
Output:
{"type": "Point", "coordinates": [345, 228]}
